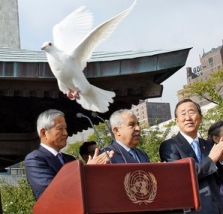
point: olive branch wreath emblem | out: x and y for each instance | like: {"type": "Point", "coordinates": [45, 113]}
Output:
{"type": "Point", "coordinates": [152, 192]}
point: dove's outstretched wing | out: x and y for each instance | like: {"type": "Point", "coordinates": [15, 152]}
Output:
{"type": "Point", "coordinates": [97, 35]}
{"type": "Point", "coordinates": [67, 64]}
{"type": "Point", "coordinates": [68, 33]}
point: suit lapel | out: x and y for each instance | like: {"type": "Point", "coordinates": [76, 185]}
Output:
{"type": "Point", "coordinates": [185, 147]}
{"type": "Point", "coordinates": [52, 160]}
{"type": "Point", "coordinates": [122, 152]}
{"type": "Point", "coordinates": [204, 148]}
{"type": "Point", "coordinates": [67, 158]}
{"type": "Point", "coordinates": [141, 156]}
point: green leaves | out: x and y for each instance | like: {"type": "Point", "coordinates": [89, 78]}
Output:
{"type": "Point", "coordinates": [73, 149]}
{"type": "Point", "coordinates": [16, 198]}
{"type": "Point", "coordinates": [151, 138]}
{"type": "Point", "coordinates": [208, 89]}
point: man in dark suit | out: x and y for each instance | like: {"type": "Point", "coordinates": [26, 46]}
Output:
{"type": "Point", "coordinates": [126, 134]}
{"type": "Point", "coordinates": [44, 163]}
{"type": "Point", "coordinates": [188, 117]}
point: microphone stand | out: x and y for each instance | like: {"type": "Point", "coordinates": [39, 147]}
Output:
{"type": "Point", "coordinates": [94, 114]}
{"type": "Point", "coordinates": [79, 115]}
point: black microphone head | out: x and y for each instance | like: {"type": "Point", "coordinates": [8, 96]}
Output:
{"type": "Point", "coordinates": [94, 114]}
{"type": "Point", "coordinates": [79, 115]}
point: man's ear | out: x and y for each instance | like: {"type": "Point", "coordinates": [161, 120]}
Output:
{"type": "Point", "coordinates": [176, 120]}
{"type": "Point", "coordinates": [42, 132]}
{"type": "Point", "coordinates": [216, 139]}
{"type": "Point", "coordinates": [115, 130]}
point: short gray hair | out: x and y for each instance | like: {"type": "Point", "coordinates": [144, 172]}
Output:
{"type": "Point", "coordinates": [46, 119]}
{"type": "Point", "coordinates": [116, 118]}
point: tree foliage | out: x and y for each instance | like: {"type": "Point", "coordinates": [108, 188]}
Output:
{"type": "Point", "coordinates": [73, 149]}
{"type": "Point", "coordinates": [16, 198]}
{"type": "Point", "coordinates": [103, 137]}
{"type": "Point", "coordinates": [152, 137]}
{"type": "Point", "coordinates": [208, 90]}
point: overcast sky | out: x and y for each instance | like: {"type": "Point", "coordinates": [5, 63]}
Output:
{"type": "Point", "coordinates": [152, 25]}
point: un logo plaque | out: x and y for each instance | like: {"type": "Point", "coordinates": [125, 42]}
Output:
{"type": "Point", "coordinates": [140, 187]}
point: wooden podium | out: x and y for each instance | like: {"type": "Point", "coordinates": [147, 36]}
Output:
{"type": "Point", "coordinates": [121, 188]}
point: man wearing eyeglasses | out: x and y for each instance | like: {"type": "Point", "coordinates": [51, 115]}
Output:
{"type": "Point", "coordinates": [185, 144]}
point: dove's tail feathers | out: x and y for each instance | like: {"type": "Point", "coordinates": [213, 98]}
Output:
{"type": "Point", "coordinates": [100, 34]}
{"type": "Point", "coordinates": [96, 99]}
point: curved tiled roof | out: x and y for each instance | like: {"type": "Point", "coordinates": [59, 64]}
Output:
{"type": "Point", "coordinates": [28, 87]}
{"type": "Point", "coordinates": [23, 55]}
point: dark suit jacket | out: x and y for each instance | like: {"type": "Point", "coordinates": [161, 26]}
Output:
{"type": "Point", "coordinates": [220, 178]}
{"type": "Point", "coordinates": [177, 148]}
{"type": "Point", "coordinates": [41, 167]}
{"type": "Point", "coordinates": [122, 156]}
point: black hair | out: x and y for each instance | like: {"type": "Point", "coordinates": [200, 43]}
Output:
{"type": "Point", "coordinates": [83, 150]}
{"type": "Point", "coordinates": [214, 130]}
{"type": "Point", "coordinates": [186, 101]}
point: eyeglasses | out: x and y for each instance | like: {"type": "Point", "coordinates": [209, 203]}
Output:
{"type": "Point", "coordinates": [188, 114]}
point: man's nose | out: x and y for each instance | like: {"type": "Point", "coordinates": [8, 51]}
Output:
{"type": "Point", "coordinates": [65, 132]}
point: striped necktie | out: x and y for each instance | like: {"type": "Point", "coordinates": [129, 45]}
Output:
{"type": "Point", "coordinates": [196, 148]}
{"type": "Point", "coordinates": [134, 155]}
{"type": "Point", "coordinates": [60, 157]}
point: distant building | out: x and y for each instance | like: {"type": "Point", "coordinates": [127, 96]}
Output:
{"type": "Point", "coordinates": [211, 62]}
{"type": "Point", "coordinates": [151, 113]}
{"type": "Point", "coordinates": [9, 24]}
{"type": "Point", "coordinates": [13, 174]}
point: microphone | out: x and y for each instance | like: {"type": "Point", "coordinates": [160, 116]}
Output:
{"type": "Point", "coordinates": [80, 115]}
{"type": "Point", "coordinates": [94, 114]}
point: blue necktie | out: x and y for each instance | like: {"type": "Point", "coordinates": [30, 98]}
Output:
{"type": "Point", "coordinates": [60, 157]}
{"type": "Point", "coordinates": [134, 155]}
{"type": "Point", "coordinates": [196, 148]}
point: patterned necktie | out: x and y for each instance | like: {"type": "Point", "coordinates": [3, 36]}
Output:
{"type": "Point", "coordinates": [60, 157]}
{"type": "Point", "coordinates": [196, 148]}
{"type": "Point", "coordinates": [134, 155]}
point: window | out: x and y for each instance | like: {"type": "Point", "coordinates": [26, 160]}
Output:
{"type": "Point", "coordinates": [211, 61]}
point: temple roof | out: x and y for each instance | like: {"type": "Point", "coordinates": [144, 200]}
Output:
{"type": "Point", "coordinates": [28, 87]}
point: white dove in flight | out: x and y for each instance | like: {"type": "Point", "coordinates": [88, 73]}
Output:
{"type": "Point", "coordinates": [74, 43]}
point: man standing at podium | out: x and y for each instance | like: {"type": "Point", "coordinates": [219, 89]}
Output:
{"type": "Point", "coordinates": [44, 163]}
{"type": "Point", "coordinates": [186, 144]}
{"type": "Point", "coordinates": [126, 134]}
